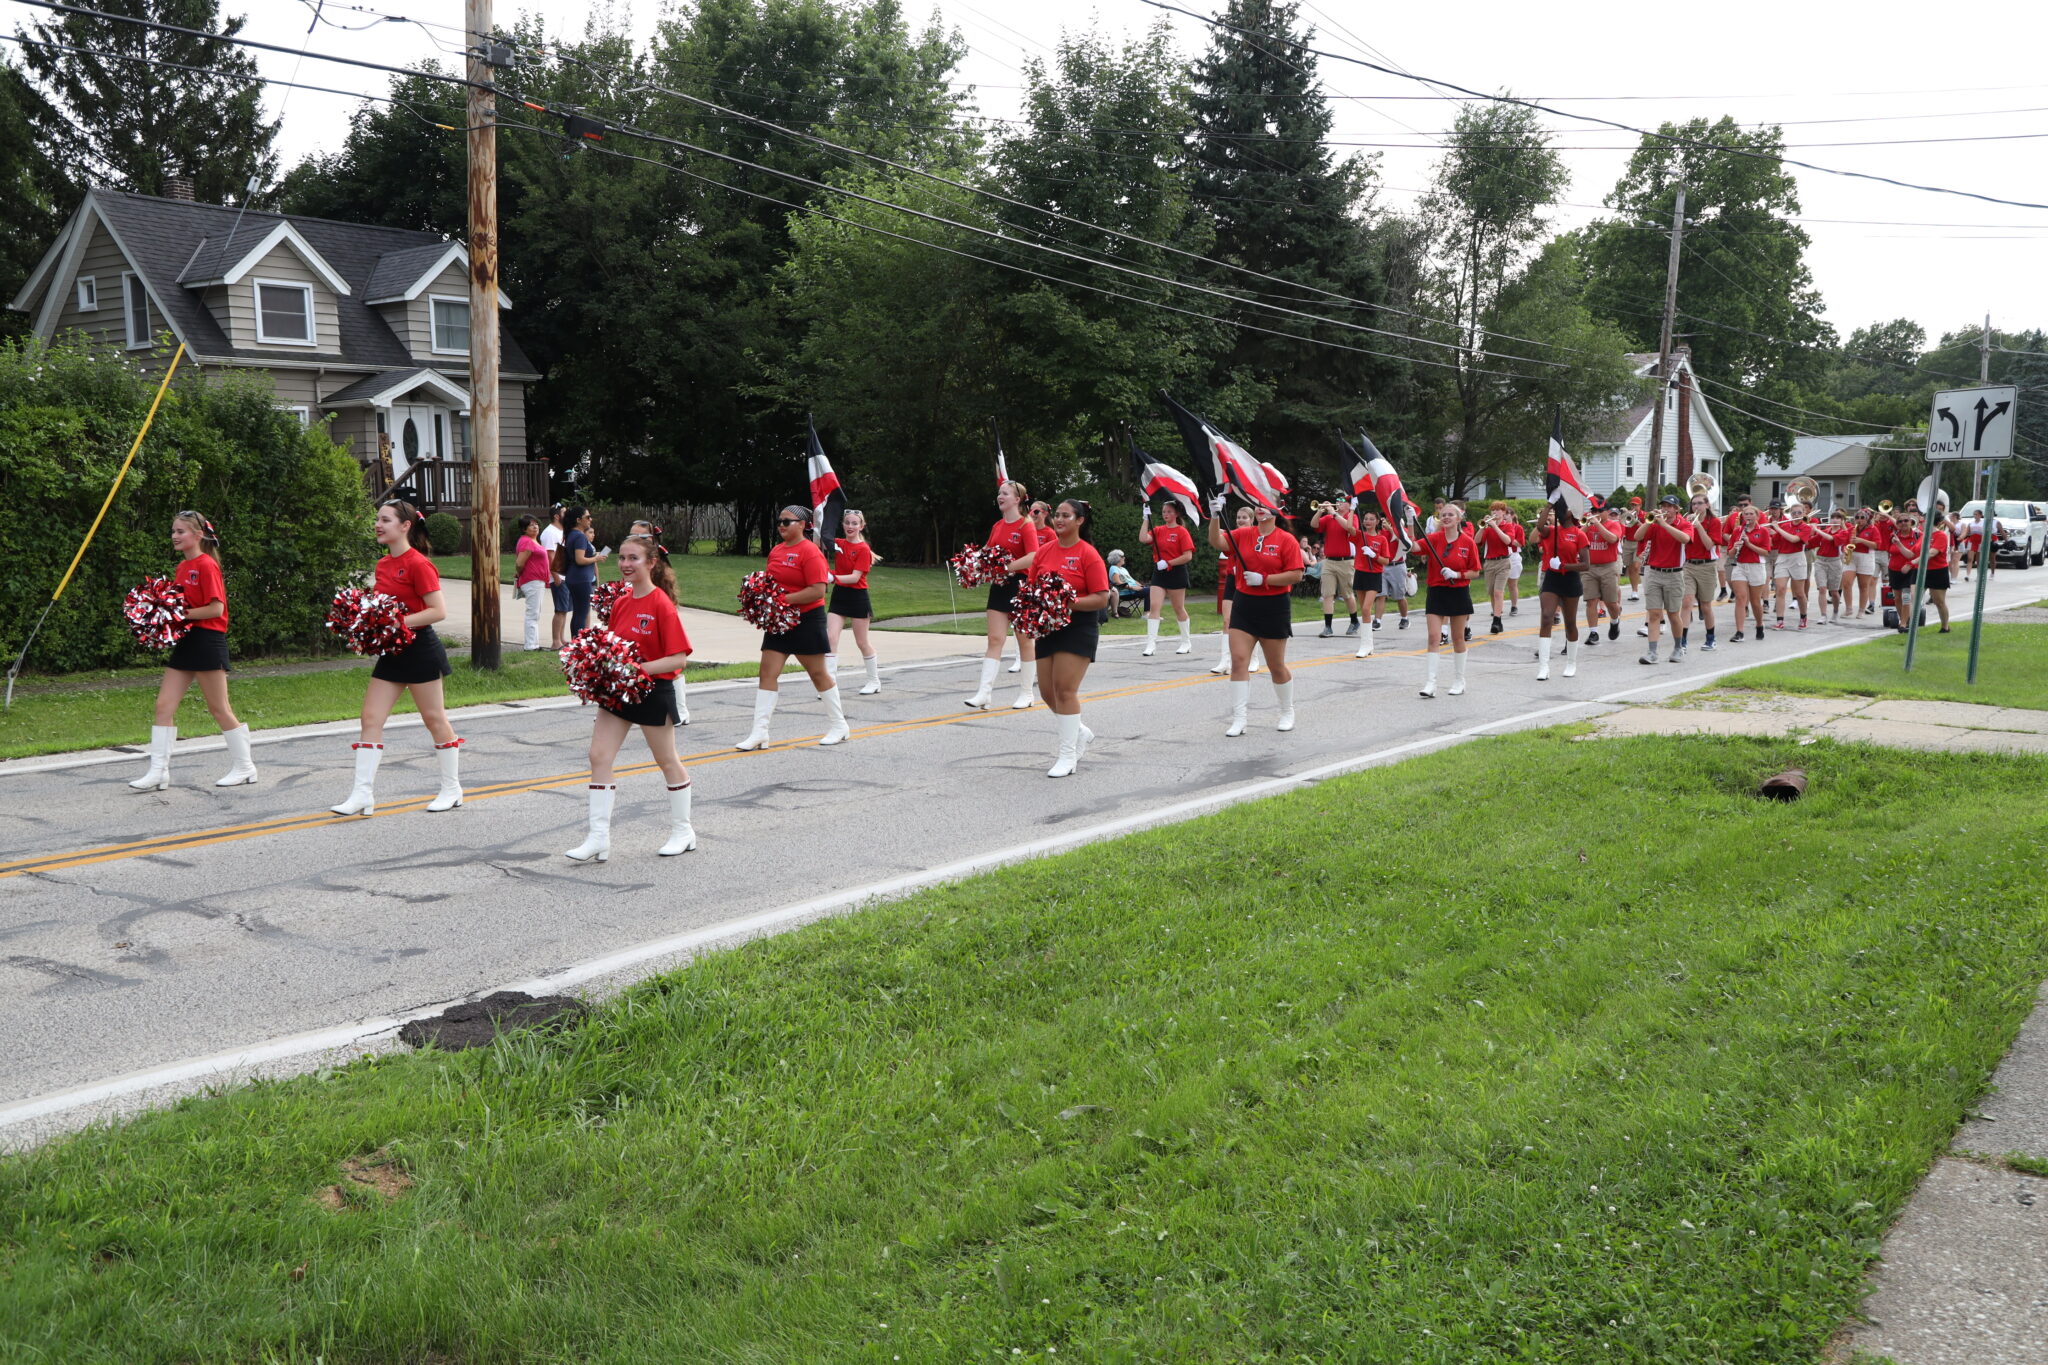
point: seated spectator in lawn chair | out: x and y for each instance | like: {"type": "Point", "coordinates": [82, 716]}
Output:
{"type": "Point", "coordinates": [1130, 593]}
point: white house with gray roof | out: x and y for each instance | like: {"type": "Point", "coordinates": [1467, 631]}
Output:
{"type": "Point", "coordinates": [1616, 451]}
{"type": "Point", "coordinates": [363, 328]}
{"type": "Point", "coordinates": [1836, 464]}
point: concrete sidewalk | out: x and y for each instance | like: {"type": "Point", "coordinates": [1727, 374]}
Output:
{"type": "Point", "coordinates": [1933, 725]}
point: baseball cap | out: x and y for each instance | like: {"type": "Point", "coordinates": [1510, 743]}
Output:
{"type": "Point", "coordinates": [1668, 501]}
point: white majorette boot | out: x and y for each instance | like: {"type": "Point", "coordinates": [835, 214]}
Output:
{"type": "Point", "coordinates": [1429, 687]}
{"type": "Point", "coordinates": [1240, 703]}
{"type": "Point", "coordinates": [241, 768]}
{"type": "Point", "coordinates": [979, 701]}
{"type": "Point", "coordinates": [1543, 658]}
{"type": "Point", "coordinates": [682, 701]}
{"type": "Point", "coordinates": [449, 756]}
{"type": "Point", "coordinates": [1258, 659]}
{"type": "Point", "coordinates": [1016, 661]}
{"type": "Point", "coordinates": [1081, 747]}
{"type": "Point", "coordinates": [1070, 748]}
{"type": "Point", "coordinates": [1458, 675]}
{"type": "Point", "coordinates": [1571, 659]}
{"type": "Point", "coordinates": [1025, 692]}
{"type": "Point", "coordinates": [764, 707]}
{"type": "Point", "coordinates": [832, 665]}
{"type": "Point", "coordinates": [1364, 645]}
{"type": "Point", "coordinates": [1223, 655]}
{"type": "Point", "coordinates": [873, 664]}
{"type": "Point", "coordinates": [362, 799]}
{"type": "Point", "coordinates": [682, 836]}
{"type": "Point", "coordinates": [1151, 637]}
{"type": "Point", "coordinates": [836, 730]}
{"type": "Point", "coordinates": [161, 738]}
{"type": "Point", "coordinates": [1187, 636]}
{"type": "Point", "coordinates": [1284, 694]}
{"type": "Point", "coordinates": [597, 844]}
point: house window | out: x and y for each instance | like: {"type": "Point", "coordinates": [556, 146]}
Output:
{"type": "Point", "coordinates": [1628, 466]}
{"type": "Point", "coordinates": [284, 313]}
{"type": "Point", "coordinates": [451, 325]}
{"type": "Point", "coordinates": [135, 299]}
{"type": "Point", "coordinates": [88, 294]}
{"type": "Point", "coordinates": [303, 413]}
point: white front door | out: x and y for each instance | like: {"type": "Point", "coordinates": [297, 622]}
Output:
{"type": "Point", "coordinates": [415, 436]}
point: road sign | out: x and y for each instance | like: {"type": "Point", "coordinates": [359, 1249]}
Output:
{"type": "Point", "coordinates": [1972, 424]}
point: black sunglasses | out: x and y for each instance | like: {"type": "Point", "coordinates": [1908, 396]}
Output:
{"type": "Point", "coordinates": [788, 521]}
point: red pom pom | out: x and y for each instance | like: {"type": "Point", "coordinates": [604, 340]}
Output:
{"type": "Point", "coordinates": [605, 669]}
{"type": "Point", "coordinates": [763, 606]}
{"type": "Point", "coordinates": [369, 622]}
{"type": "Point", "coordinates": [604, 597]}
{"type": "Point", "coordinates": [978, 565]}
{"type": "Point", "coordinates": [155, 609]}
{"type": "Point", "coordinates": [1044, 604]}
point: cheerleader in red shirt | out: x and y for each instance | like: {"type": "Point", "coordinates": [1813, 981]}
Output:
{"type": "Point", "coordinates": [645, 614]}
{"type": "Point", "coordinates": [852, 557]}
{"type": "Point", "coordinates": [1064, 655]}
{"type": "Point", "coordinates": [1565, 552]}
{"type": "Point", "coordinates": [1226, 596]}
{"type": "Point", "coordinates": [1173, 549]}
{"type": "Point", "coordinates": [409, 576]}
{"type": "Point", "coordinates": [1269, 563]}
{"type": "Point", "coordinates": [1017, 536]}
{"type": "Point", "coordinates": [1453, 558]}
{"type": "Point", "coordinates": [1368, 575]}
{"type": "Point", "coordinates": [799, 569]}
{"type": "Point", "coordinates": [201, 656]}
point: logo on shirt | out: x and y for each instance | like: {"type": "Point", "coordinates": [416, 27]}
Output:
{"type": "Point", "coordinates": [644, 624]}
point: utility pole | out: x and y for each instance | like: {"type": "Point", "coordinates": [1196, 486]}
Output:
{"type": "Point", "coordinates": [1983, 377]}
{"type": "Point", "coordinates": [1656, 482]}
{"type": "Point", "coordinates": [484, 636]}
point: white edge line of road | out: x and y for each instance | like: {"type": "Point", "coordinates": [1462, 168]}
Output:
{"type": "Point", "coordinates": [749, 926]}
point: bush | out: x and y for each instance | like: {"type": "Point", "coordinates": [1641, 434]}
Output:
{"type": "Point", "coordinates": [289, 504]}
{"type": "Point", "coordinates": [444, 529]}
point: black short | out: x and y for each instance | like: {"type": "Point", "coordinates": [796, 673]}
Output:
{"type": "Point", "coordinates": [1448, 601]}
{"type": "Point", "coordinates": [1563, 584]}
{"type": "Point", "coordinates": [809, 637]}
{"type": "Point", "coordinates": [656, 708]}
{"type": "Point", "coordinates": [1901, 580]}
{"type": "Point", "coordinates": [422, 661]}
{"type": "Point", "coordinates": [1363, 582]}
{"type": "Point", "coordinates": [851, 603]}
{"type": "Point", "coordinates": [200, 651]}
{"type": "Point", "coordinates": [1078, 636]}
{"type": "Point", "coordinates": [1002, 596]}
{"type": "Point", "coordinates": [1937, 580]}
{"type": "Point", "coordinates": [1175, 577]}
{"type": "Point", "coordinates": [1263, 616]}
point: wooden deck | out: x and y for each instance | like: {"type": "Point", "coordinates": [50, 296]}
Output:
{"type": "Point", "coordinates": [522, 486]}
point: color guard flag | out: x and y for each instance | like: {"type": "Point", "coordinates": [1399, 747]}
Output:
{"type": "Point", "coordinates": [1373, 473]}
{"type": "Point", "coordinates": [1561, 477]}
{"type": "Point", "coordinates": [1156, 478]}
{"type": "Point", "coordinates": [1002, 465]}
{"type": "Point", "coordinates": [1234, 467]}
{"type": "Point", "coordinates": [827, 501]}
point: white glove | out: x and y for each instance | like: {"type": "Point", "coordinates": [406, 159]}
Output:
{"type": "Point", "coordinates": [1163, 565]}
{"type": "Point", "coordinates": [1252, 579]}
{"type": "Point", "coordinates": [1556, 563]}
{"type": "Point", "coordinates": [1216, 503]}
{"type": "Point", "coordinates": [1371, 553]}
{"type": "Point", "coordinates": [1144, 511]}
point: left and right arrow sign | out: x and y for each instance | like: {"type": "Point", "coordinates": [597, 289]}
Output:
{"type": "Point", "coordinates": [1972, 424]}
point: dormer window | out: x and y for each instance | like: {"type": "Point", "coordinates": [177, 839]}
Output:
{"type": "Point", "coordinates": [451, 325]}
{"type": "Point", "coordinates": [284, 313]}
{"type": "Point", "coordinates": [135, 304]}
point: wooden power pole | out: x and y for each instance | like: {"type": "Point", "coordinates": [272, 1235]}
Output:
{"type": "Point", "coordinates": [1656, 484]}
{"type": "Point", "coordinates": [485, 639]}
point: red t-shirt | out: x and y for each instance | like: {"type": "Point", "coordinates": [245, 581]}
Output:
{"type": "Point", "coordinates": [533, 563]}
{"type": "Point", "coordinates": [199, 579]}
{"type": "Point", "coordinates": [1903, 552]}
{"type": "Point", "coordinates": [1751, 544]}
{"type": "Point", "coordinates": [1496, 541]}
{"type": "Point", "coordinates": [853, 556]}
{"type": "Point", "coordinates": [1792, 537]}
{"type": "Point", "coordinates": [1937, 552]}
{"type": "Point", "coordinates": [1882, 532]}
{"type": "Point", "coordinates": [1381, 547]}
{"type": "Point", "coordinates": [796, 567]}
{"type": "Point", "coordinates": [1662, 548]}
{"type": "Point", "coordinates": [1518, 533]}
{"type": "Point", "coordinates": [1338, 540]}
{"type": "Point", "coordinates": [1277, 552]}
{"type": "Point", "coordinates": [1705, 537]}
{"type": "Point", "coordinates": [1016, 538]}
{"type": "Point", "coordinates": [1171, 542]}
{"type": "Point", "coordinates": [1081, 565]}
{"type": "Point", "coordinates": [1829, 541]}
{"type": "Point", "coordinates": [1444, 557]}
{"type": "Point", "coordinates": [1226, 567]}
{"type": "Point", "coordinates": [653, 623]}
{"type": "Point", "coordinates": [1564, 544]}
{"type": "Point", "coordinates": [1606, 551]}
{"type": "Point", "coordinates": [409, 577]}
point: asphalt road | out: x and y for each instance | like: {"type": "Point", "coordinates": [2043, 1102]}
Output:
{"type": "Point", "coordinates": [142, 930]}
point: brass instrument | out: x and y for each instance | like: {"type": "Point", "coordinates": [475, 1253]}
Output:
{"type": "Point", "coordinates": [1884, 507]}
{"type": "Point", "coordinates": [1800, 496]}
{"type": "Point", "coordinates": [1701, 486]}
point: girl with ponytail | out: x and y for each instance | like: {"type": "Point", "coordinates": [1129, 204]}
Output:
{"type": "Point", "coordinates": [201, 656]}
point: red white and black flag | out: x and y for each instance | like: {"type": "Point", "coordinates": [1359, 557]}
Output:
{"type": "Point", "coordinates": [827, 501]}
{"type": "Point", "coordinates": [1233, 465]}
{"type": "Point", "coordinates": [1372, 472]}
{"type": "Point", "coordinates": [1561, 477]}
{"type": "Point", "coordinates": [1158, 479]}
{"type": "Point", "coordinates": [1002, 465]}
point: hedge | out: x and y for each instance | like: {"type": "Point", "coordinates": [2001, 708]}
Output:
{"type": "Point", "coordinates": [289, 503]}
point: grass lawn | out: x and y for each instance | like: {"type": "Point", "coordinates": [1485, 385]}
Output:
{"type": "Point", "coordinates": [58, 719]}
{"type": "Point", "coordinates": [2009, 669]}
{"type": "Point", "coordinates": [1229, 1091]}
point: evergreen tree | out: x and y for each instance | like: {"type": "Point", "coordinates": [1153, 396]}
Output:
{"type": "Point", "coordinates": [34, 188]}
{"type": "Point", "coordinates": [395, 166]}
{"type": "Point", "coordinates": [122, 117]}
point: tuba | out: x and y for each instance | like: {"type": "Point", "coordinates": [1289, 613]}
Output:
{"type": "Point", "coordinates": [1801, 492]}
{"type": "Point", "coordinates": [1702, 485]}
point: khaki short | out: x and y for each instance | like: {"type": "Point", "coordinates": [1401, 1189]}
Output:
{"type": "Point", "coordinates": [1752, 574]}
{"type": "Point", "coordinates": [1603, 581]}
{"type": "Point", "coordinates": [1792, 565]}
{"type": "Point", "coordinates": [1863, 562]}
{"type": "Point", "coordinates": [1495, 573]}
{"type": "Point", "coordinates": [1828, 569]}
{"type": "Point", "coordinates": [1702, 580]}
{"type": "Point", "coordinates": [1664, 590]}
{"type": "Point", "coordinates": [1336, 575]}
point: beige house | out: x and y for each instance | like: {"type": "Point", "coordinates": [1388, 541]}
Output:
{"type": "Point", "coordinates": [363, 328]}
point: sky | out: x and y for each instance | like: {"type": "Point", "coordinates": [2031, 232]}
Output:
{"type": "Point", "coordinates": [1828, 73]}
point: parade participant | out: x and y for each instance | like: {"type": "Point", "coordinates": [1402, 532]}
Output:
{"type": "Point", "coordinates": [645, 613]}
{"type": "Point", "coordinates": [852, 557]}
{"type": "Point", "coordinates": [1830, 542]}
{"type": "Point", "coordinates": [1368, 574]}
{"type": "Point", "coordinates": [1016, 534]}
{"type": "Point", "coordinates": [1661, 543]}
{"type": "Point", "coordinates": [1971, 533]}
{"type": "Point", "coordinates": [1041, 519]}
{"type": "Point", "coordinates": [1269, 564]}
{"type": "Point", "coordinates": [1747, 540]}
{"type": "Point", "coordinates": [1496, 549]}
{"type": "Point", "coordinates": [551, 537]}
{"type": "Point", "coordinates": [1702, 578]}
{"type": "Point", "coordinates": [1173, 549]}
{"type": "Point", "coordinates": [1940, 540]}
{"type": "Point", "coordinates": [1606, 536]}
{"type": "Point", "coordinates": [1565, 554]}
{"type": "Point", "coordinates": [1902, 552]}
{"type": "Point", "coordinates": [1452, 555]}
{"type": "Point", "coordinates": [1397, 580]}
{"type": "Point", "coordinates": [1339, 529]}
{"type": "Point", "coordinates": [1631, 552]}
{"type": "Point", "coordinates": [1064, 655]}
{"type": "Point", "coordinates": [1791, 537]}
{"type": "Point", "coordinates": [653, 532]}
{"type": "Point", "coordinates": [1861, 571]}
{"type": "Point", "coordinates": [799, 569]}
{"type": "Point", "coordinates": [407, 574]}
{"type": "Point", "coordinates": [1226, 596]}
{"type": "Point", "coordinates": [1520, 535]}
{"type": "Point", "coordinates": [201, 656]}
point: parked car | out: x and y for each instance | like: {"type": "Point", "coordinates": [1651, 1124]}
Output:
{"type": "Point", "coordinates": [2025, 530]}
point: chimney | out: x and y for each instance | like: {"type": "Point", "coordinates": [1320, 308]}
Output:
{"type": "Point", "coordinates": [180, 187]}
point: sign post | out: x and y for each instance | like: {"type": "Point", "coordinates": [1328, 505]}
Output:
{"type": "Point", "coordinates": [1974, 424]}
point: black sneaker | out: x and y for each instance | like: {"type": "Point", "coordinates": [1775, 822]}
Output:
{"type": "Point", "coordinates": [1468, 635]}
{"type": "Point", "coordinates": [1614, 630]}
{"type": "Point", "coordinates": [1404, 622]}
{"type": "Point", "coordinates": [1376, 624]}
{"type": "Point", "coordinates": [1497, 628]}
{"type": "Point", "coordinates": [1736, 638]}
{"type": "Point", "coordinates": [1593, 637]}
{"type": "Point", "coordinates": [1352, 629]}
